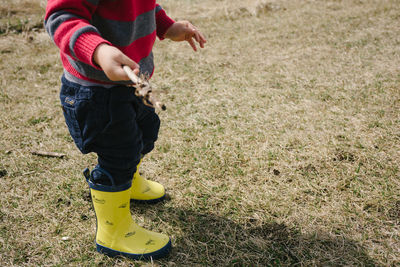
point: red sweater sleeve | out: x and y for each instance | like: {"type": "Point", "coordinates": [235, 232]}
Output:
{"type": "Point", "coordinates": [67, 22]}
{"type": "Point", "coordinates": [163, 22]}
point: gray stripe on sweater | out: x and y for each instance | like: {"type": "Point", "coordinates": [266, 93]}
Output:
{"type": "Point", "coordinates": [56, 19]}
{"type": "Point", "coordinates": [75, 79]}
{"type": "Point", "coordinates": [78, 33]}
{"type": "Point", "coordinates": [124, 33]}
{"type": "Point", "coordinates": [88, 71]}
{"type": "Point", "coordinates": [93, 2]}
{"type": "Point", "coordinates": [158, 8]}
{"type": "Point", "coordinates": [147, 65]}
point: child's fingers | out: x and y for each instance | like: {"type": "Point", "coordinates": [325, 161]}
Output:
{"type": "Point", "coordinates": [200, 39]}
{"type": "Point", "coordinates": [192, 35]}
{"type": "Point", "coordinates": [198, 36]}
{"type": "Point", "coordinates": [129, 62]}
{"type": "Point", "coordinates": [120, 75]}
{"type": "Point", "coordinates": [192, 44]}
{"type": "Point", "coordinates": [120, 61]}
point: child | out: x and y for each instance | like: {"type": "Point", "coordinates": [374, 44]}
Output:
{"type": "Point", "coordinates": [96, 39]}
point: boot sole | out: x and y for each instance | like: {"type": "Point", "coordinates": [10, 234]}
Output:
{"type": "Point", "coordinates": [164, 251]}
{"type": "Point", "coordinates": [149, 201]}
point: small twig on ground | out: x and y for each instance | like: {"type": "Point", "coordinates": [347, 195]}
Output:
{"type": "Point", "coordinates": [48, 154]}
{"type": "Point", "coordinates": [27, 173]}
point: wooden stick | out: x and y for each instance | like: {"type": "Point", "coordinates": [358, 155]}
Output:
{"type": "Point", "coordinates": [134, 78]}
{"type": "Point", "coordinates": [144, 90]}
{"type": "Point", "coordinates": [48, 154]}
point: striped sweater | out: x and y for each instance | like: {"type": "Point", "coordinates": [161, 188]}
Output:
{"type": "Point", "coordinates": [78, 26]}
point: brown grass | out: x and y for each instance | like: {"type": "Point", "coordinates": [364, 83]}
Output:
{"type": "Point", "coordinates": [17, 16]}
{"type": "Point", "coordinates": [280, 145]}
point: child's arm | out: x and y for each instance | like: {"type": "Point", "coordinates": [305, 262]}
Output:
{"type": "Point", "coordinates": [185, 31]}
{"type": "Point", "coordinates": [68, 24]}
{"type": "Point", "coordinates": [163, 22]}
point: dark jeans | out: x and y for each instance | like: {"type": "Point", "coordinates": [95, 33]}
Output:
{"type": "Point", "coordinates": [113, 123]}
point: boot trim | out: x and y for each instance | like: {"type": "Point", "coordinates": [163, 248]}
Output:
{"type": "Point", "coordinates": [105, 188]}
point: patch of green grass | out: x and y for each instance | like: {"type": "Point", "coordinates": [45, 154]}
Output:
{"type": "Point", "coordinates": [34, 121]}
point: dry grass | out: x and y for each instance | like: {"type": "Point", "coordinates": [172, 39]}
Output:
{"type": "Point", "coordinates": [17, 16]}
{"type": "Point", "coordinates": [280, 145]}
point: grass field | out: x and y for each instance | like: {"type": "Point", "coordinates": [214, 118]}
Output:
{"type": "Point", "coordinates": [280, 145]}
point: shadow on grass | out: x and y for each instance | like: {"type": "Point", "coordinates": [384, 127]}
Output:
{"type": "Point", "coordinates": [211, 240]}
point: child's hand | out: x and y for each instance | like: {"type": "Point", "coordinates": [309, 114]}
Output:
{"type": "Point", "coordinates": [111, 60]}
{"type": "Point", "coordinates": [185, 31]}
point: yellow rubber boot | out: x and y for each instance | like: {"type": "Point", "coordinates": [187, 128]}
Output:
{"type": "Point", "coordinates": [144, 190]}
{"type": "Point", "coordinates": [117, 234]}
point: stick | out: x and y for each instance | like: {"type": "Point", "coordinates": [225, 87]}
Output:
{"type": "Point", "coordinates": [131, 74]}
{"type": "Point", "coordinates": [48, 154]}
{"type": "Point", "coordinates": [144, 90]}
